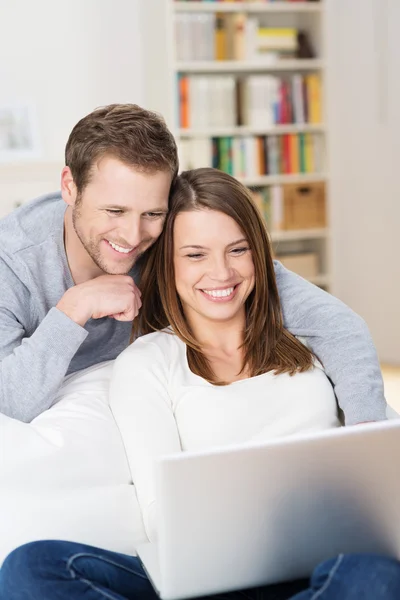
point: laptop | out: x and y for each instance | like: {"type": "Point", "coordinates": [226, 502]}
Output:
{"type": "Point", "coordinates": [247, 516]}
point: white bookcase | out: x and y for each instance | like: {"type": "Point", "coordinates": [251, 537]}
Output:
{"type": "Point", "coordinates": [162, 70]}
{"type": "Point", "coordinates": [251, 7]}
{"type": "Point", "coordinates": [246, 66]}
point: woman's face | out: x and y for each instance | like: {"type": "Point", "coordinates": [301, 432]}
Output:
{"type": "Point", "coordinates": [214, 270]}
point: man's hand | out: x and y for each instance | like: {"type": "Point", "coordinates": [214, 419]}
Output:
{"type": "Point", "coordinates": [114, 296]}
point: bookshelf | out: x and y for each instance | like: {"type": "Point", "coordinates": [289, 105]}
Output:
{"type": "Point", "coordinates": [230, 66]}
{"type": "Point", "coordinates": [300, 234]}
{"type": "Point", "coordinates": [265, 180]}
{"type": "Point", "coordinates": [243, 130]}
{"type": "Point", "coordinates": [250, 7]}
{"type": "Point", "coordinates": [192, 57]}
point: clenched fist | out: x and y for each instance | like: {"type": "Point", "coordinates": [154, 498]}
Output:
{"type": "Point", "coordinates": [114, 296]}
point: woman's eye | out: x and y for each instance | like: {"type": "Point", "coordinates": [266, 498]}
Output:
{"type": "Point", "coordinates": [195, 256]}
{"type": "Point", "coordinates": [239, 251]}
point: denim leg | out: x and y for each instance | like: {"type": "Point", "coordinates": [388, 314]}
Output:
{"type": "Point", "coordinates": [354, 577]}
{"type": "Point", "coordinates": [57, 570]}
{"type": "Point", "coordinates": [282, 591]}
{"type": "Point", "coordinates": [278, 591]}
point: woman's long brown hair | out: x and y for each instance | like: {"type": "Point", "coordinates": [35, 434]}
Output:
{"type": "Point", "coordinates": [267, 345]}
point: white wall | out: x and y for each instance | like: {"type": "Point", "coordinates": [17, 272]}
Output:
{"type": "Point", "coordinates": [158, 75]}
{"type": "Point", "coordinates": [364, 135]}
{"type": "Point", "coordinates": [67, 58]}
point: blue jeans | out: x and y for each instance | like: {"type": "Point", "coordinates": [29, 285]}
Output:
{"type": "Point", "coordinates": [56, 570]}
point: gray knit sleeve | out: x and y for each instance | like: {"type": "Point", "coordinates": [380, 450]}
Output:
{"type": "Point", "coordinates": [341, 341]}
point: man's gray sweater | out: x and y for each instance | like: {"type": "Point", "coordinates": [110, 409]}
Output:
{"type": "Point", "coordinates": [39, 344]}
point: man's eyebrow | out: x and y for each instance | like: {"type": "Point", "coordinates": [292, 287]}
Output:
{"type": "Point", "coordinates": [197, 247]}
{"type": "Point", "coordinates": [116, 206]}
{"type": "Point", "coordinates": [128, 208]}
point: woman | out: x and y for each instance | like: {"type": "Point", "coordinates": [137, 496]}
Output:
{"type": "Point", "coordinates": [216, 368]}
{"type": "Point", "coordinates": [220, 368]}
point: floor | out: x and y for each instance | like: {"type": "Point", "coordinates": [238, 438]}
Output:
{"type": "Point", "coordinates": [391, 378]}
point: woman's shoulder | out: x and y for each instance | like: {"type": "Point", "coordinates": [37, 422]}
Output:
{"type": "Point", "coordinates": [153, 346]}
{"type": "Point", "coordinates": [316, 363]}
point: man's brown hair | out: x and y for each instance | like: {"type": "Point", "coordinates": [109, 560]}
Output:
{"type": "Point", "coordinates": [267, 344]}
{"type": "Point", "coordinates": [133, 135]}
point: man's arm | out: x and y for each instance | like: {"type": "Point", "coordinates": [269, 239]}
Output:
{"type": "Point", "coordinates": [32, 368]}
{"type": "Point", "coordinates": [342, 342]}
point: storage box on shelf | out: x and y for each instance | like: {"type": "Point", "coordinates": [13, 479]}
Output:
{"type": "Point", "coordinates": [292, 207]}
{"type": "Point", "coordinates": [248, 100]}
{"type": "Point", "coordinates": [304, 264]}
{"type": "Point", "coordinates": [304, 206]}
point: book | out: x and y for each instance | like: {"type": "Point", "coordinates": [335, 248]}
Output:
{"type": "Point", "coordinates": [254, 100]}
{"type": "Point", "coordinates": [251, 156]}
{"type": "Point", "coordinates": [313, 88]}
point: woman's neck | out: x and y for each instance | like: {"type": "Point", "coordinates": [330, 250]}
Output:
{"type": "Point", "coordinates": [225, 336]}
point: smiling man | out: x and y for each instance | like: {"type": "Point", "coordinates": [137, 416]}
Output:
{"type": "Point", "coordinates": [68, 261]}
{"type": "Point", "coordinates": [107, 227]}
{"type": "Point", "coordinates": [68, 264]}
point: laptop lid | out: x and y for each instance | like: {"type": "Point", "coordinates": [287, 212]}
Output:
{"type": "Point", "coordinates": [248, 516]}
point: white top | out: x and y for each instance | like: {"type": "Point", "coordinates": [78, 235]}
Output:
{"type": "Point", "coordinates": [161, 408]}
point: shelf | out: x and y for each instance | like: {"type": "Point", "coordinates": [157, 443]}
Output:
{"type": "Point", "coordinates": [244, 130]}
{"type": "Point", "coordinates": [249, 7]}
{"type": "Point", "coordinates": [282, 179]}
{"type": "Point", "coordinates": [299, 234]}
{"type": "Point", "coordinates": [237, 66]}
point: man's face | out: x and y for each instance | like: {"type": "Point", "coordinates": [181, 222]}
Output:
{"type": "Point", "coordinates": [120, 214]}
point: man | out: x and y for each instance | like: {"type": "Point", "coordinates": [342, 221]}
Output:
{"type": "Point", "coordinates": [67, 269]}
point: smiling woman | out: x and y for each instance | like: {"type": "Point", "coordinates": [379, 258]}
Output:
{"type": "Point", "coordinates": [216, 280]}
{"type": "Point", "coordinates": [216, 277]}
{"type": "Point", "coordinates": [217, 366]}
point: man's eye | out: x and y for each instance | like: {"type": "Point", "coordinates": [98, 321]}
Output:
{"type": "Point", "coordinates": [154, 215]}
{"type": "Point", "coordinates": [114, 211]}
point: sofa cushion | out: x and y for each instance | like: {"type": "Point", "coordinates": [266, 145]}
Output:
{"type": "Point", "coordinates": [65, 474]}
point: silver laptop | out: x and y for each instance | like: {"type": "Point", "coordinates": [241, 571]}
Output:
{"type": "Point", "coordinates": [248, 516]}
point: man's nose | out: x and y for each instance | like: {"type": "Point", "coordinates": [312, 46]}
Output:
{"type": "Point", "coordinates": [132, 233]}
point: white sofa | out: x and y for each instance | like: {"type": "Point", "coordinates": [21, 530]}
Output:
{"type": "Point", "coordinates": [65, 475]}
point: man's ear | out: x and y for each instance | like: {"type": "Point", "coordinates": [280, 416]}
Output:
{"type": "Point", "coordinates": [68, 187]}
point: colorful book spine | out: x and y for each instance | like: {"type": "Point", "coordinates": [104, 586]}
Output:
{"type": "Point", "coordinates": [221, 37]}
{"type": "Point", "coordinates": [309, 152]}
{"type": "Point", "coordinates": [313, 87]}
{"type": "Point", "coordinates": [184, 101]}
{"type": "Point", "coordinates": [253, 100]}
{"type": "Point", "coordinates": [254, 156]}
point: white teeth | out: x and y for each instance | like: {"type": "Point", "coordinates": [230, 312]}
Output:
{"type": "Point", "coordinates": [219, 293]}
{"type": "Point", "coordinates": [119, 249]}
